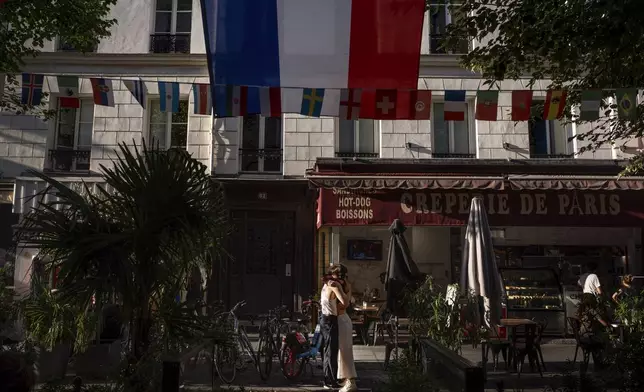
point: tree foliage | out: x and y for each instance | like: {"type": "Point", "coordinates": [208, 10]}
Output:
{"type": "Point", "coordinates": [577, 44]}
{"type": "Point", "coordinates": [26, 25]}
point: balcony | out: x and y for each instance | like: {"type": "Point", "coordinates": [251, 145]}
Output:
{"type": "Point", "coordinates": [552, 156]}
{"type": "Point", "coordinates": [170, 43]}
{"type": "Point", "coordinates": [453, 156]}
{"type": "Point", "coordinates": [436, 45]}
{"type": "Point", "coordinates": [69, 161]}
{"type": "Point", "coordinates": [356, 155]}
{"type": "Point", "coordinates": [260, 160]}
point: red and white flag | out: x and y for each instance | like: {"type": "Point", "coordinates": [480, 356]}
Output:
{"type": "Point", "coordinates": [420, 104]}
{"type": "Point", "coordinates": [350, 103]}
{"type": "Point", "coordinates": [385, 104]}
{"type": "Point", "coordinates": [270, 101]}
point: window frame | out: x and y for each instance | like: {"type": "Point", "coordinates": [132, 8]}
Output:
{"type": "Point", "coordinates": [169, 123]}
{"type": "Point", "coordinates": [77, 124]}
{"type": "Point", "coordinates": [447, 20]}
{"type": "Point", "coordinates": [570, 150]}
{"type": "Point", "coordinates": [377, 126]}
{"type": "Point", "coordinates": [471, 128]}
{"type": "Point", "coordinates": [174, 14]}
{"type": "Point", "coordinates": [261, 159]}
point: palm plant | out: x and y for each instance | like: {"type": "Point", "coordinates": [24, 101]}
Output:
{"type": "Point", "coordinates": [136, 239]}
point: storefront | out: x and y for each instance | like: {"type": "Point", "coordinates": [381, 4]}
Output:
{"type": "Point", "coordinates": [543, 215]}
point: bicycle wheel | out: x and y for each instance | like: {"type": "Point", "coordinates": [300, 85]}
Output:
{"type": "Point", "coordinates": [265, 354]}
{"type": "Point", "coordinates": [225, 363]}
{"type": "Point", "coordinates": [291, 365]}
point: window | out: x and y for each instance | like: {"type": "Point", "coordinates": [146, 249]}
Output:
{"type": "Point", "coordinates": [451, 139]}
{"type": "Point", "coordinates": [357, 138]}
{"type": "Point", "coordinates": [261, 144]}
{"type": "Point", "coordinates": [172, 26]}
{"type": "Point", "coordinates": [440, 15]}
{"type": "Point", "coordinates": [73, 141]}
{"type": "Point", "coordinates": [169, 130]}
{"type": "Point", "coordinates": [549, 139]}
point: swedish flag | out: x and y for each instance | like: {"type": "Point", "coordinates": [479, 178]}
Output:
{"type": "Point", "coordinates": [312, 99]}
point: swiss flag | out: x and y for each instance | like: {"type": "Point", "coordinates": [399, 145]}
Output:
{"type": "Point", "coordinates": [385, 105]}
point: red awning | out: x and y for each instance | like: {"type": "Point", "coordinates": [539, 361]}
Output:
{"type": "Point", "coordinates": [410, 181]}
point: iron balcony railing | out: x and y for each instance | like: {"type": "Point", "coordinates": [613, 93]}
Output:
{"type": "Point", "coordinates": [356, 154]}
{"type": "Point", "coordinates": [453, 155]}
{"type": "Point", "coordinates": [170, 43]}
{"type": "Point", "coordinates": [63, 160]}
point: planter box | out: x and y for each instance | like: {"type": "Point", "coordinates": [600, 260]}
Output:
{"type": "Point", "coordinates": [99, 361]}
{"type": "Point", "coordinates": [52, 365]}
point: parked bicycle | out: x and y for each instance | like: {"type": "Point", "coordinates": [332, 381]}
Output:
{"type": "Point", "coordinates": [270, 341]}
{"type": "Point", "coordinates": [227, 360]}
{"type": "Point", "coordinates": [299, 348]}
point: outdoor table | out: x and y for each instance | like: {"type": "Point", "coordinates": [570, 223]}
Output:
{"type": "Point", "coordinates": [362, 327]}
{"type": "Point", "coordinates": [512, 324]}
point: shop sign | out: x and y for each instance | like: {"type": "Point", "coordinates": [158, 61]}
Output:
{"type": "Point", "coordinates": [504, 208]}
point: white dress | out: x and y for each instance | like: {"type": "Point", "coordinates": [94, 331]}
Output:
{"type": "Point", "coordinates": [346, 365]}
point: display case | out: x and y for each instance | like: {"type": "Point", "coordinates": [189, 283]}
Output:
{"type": "Point", "coordinates": [535, 293]}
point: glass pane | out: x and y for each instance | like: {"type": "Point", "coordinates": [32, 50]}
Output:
{"type": "Point", "coordinates": [461, 137]}
{"type": "Point", "coordinates": [538, 140]}
{"type": "Point", "coordinates": [346, 136]}
{"type": "Point", "coordinates": [65, 136]}
{"type": "Point", "coordinates": [366, 136]}
{"type": "Point", "coordinates": [184, 22]}
{"type": "Point", "coordinates": [559, 138]}
{"type": "Point", "coordinates": [67, 116]}
{"type": "Point", "coordinates": [184, 5]}
{"type": "Point", "coordinates": [164, 5]}
{"type": "Point", "coordinates": [437, 18]}
{"type": "Point", "coordinates": [440, 130]}
{"type": "Point", "coordinates": [87, 111]}
{"type": "Point", "coordinates": [181, 117]}
{"type": "Point", "coordinates": [250, 132]}
{"type": "Point", "coordinates": [179, 136]}
{"type": "Point", "coordinates": [157, 135]}
{"type": "Point", "coordinates": [163, 22]}
{"type": "Point", "coordinates": [156, 115]}
{"type": "Point", "coordinates": [272, 132]}
{"type": "Point", "coordinates": [84, 135]}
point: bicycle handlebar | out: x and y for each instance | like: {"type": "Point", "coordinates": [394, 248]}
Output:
{"type": "Point", "coordinates": [239, 304]}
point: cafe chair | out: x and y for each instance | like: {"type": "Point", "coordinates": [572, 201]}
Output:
{"type": "Point", "coordinates": [586, 349]}
{"type": "Point", "coordinates": [542, 324]}
{"type": "Point", "coordinates": [498, 345]}
{"type": "Point", "coordinates": [523, 345]}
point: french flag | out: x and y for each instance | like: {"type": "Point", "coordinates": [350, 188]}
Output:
{"type": "Point", "coordinates": [455, 105]}
{"type": "Point", "coordinates": [322, 44]}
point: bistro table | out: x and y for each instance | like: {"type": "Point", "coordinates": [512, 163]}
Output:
{"type": "Point", "coordinates": [362, 327]}
{"type": "Point", "coordinates": [510, 323]}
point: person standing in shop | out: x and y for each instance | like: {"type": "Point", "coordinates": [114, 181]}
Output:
{"type": "Point", "coordinates": [590, 281]}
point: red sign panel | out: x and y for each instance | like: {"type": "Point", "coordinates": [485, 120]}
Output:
{"type": "Point", "coordinates": [338, 207]}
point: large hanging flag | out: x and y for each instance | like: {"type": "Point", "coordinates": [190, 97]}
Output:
{"type": "Point", "coordinates": [270, 101]}
{"type": "Point", "coordinates": [555, 104]}
{"type": "Point", "coordinates": [591, 101]}
{"type": "Point", "coordinates": [420, 104]}
{"type": "Point", "coordinates": [68, 89]}
{"type": "Point", "coordinates": [312, 99]}
{"type": "Point", "coordinates": [627, 103]}
{"type": "Point", "coordinates": [386, 104]}
{"type": "Point", "coordinates": [32, 89]}
{"type": "Point", "coordinates": [138, 90]}
{"type": "Point", "coordinates": [328, 44]}
{"type": "Point", "coordinates": [455, 105]}
{"type": "Point", "coordinates": [350, 99]}
{"type": "Point", "coordinates": [103, 91]}
{"type": "Point", "coordinates": [169, 94]}
{"type": "Point", "coordinates": [521, 105]}
{"type": "Point", "coordinates": [202, 99]}
{"type": "Point", "coordinates": [487, 105]}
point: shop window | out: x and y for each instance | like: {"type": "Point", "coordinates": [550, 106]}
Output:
{"type": "Point", "coordinates": [172, 27]}
{"type": "Point", "coordinates": [452, 139]}
{"type": "Point", "coordinates": [548, 138]}
{"type": "Point", "coordinates": [440, 14]}
{"type": "Point", "coordinates": [167, 129]}
{"type": "Point", "coordinates": [73, 140]}
{"type": "Point", "coordinates": [358, 138]}
{"type": "Point", "coordinates": [261, 144]}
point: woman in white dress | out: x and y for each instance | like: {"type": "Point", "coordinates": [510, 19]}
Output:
{"type": "Point", "coordinates": [346, 364]}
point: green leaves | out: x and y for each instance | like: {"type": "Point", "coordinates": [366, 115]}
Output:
{"type": "Point", "coordinates": [576, 44]}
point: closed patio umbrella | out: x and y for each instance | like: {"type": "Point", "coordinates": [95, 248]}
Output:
{"type": "Point", "coordinates": [401, 269]}
{"type": "Point", "coordinates": [479, 273]}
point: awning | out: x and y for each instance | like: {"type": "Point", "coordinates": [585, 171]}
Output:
{"type": "Point", "coordinates": [30, 191]}
{"type": "Point", "coordinates": [516, 182]}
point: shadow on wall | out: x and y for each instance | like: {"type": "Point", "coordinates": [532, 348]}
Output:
{"type": "Point", "coordinates": [15, 167]}
{"type": "Point", "coordinates": [220, 146]}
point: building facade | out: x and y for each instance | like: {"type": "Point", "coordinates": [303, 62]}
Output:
{"type": "Point", "coordinates": [284, 175]}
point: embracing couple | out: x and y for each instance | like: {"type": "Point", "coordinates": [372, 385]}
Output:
{"type": "Point", "coordinates": [337, 331]}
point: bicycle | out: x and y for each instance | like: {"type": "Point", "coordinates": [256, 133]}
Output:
{"type": "Point", "coordinates": [298, 348]}
{"type": "Point", "coordinates": [270, 341]}
{"type": "Point", "coordinates": [223, 356]}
